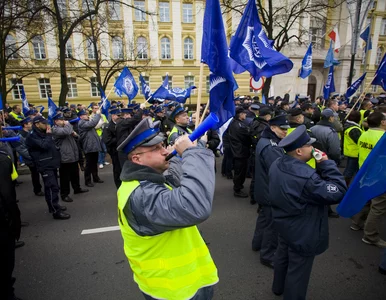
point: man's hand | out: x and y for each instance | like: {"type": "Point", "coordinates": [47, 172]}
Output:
{"type": "Point", "coordinates": [48, 129]}
{"type": "Point", "coordinates": [66, 123]}
{"type": "Point", "coordinates": [323, 156]}
{"type": "Point", "coordinates": [182, 143]}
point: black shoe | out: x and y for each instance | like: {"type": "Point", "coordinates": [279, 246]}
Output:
{"type": "Point", "coordinates": [61, 216]}
{"type": "Point", "coordinates": [382, 271]}
{"type": "Point", "coordinates": [24, 224]}
{"type": "Point", "coordinates": [89, 184]}
{"type": "Point", "coordinates": [277, 293]}
{"type": "Point", "coordinates": [19, 244]}
{"type": "Point", "coordinates": [63, 208]}
{"type": "Point", "coordinates": [229, 177]}
{"type": "Point", "coordinates": [67, 199]}
{"type": "Point", "coordinates": [99, 181]}
{"type": "Point", "coordinates": [332, 214]}
{"type": "Point", "coordinates": [266, 263]}
{"type": "Point", "coordinates": [80, 191]}
{"type": "Point", "coordinates": [252, 201]}
{"type": "Point", "coordinates": [240, 194]}
{"type": "Point", "coordinates": [39, 194]}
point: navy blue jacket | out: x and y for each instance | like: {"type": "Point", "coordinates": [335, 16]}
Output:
{"type": "Point", "coordinates": [41, 146]}
{"type": "Point", "coordinates": [266, 153]}
{"type": "Point", "coordinates": [299, 195]}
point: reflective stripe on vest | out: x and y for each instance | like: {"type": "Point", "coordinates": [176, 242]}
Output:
{"type": "Point", "coordinates": [367, 142]}
{"type": "Point", "coordinates": [16, 116]}
{"type": "Point", "coordinates": [350, 148]}
{"type": "Point", "coordinates": [99, 131]}
{"type": "Point", "coordinates": [14, 174]}
{"type": "Point", "coordinates": [175, 130]}
{"type": "Point", "coordinates": [312, 161]}
{"type": "Point", "coordinates": [172, 265]}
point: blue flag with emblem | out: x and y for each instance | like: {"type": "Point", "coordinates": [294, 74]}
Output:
{"type": "Point", "coordinates": [104, 104]}
{"type": "Point", "coordinates": [330, 60]}
{"type": "Point", "coordinates": [52, 109]}
{"type": "Point", "coordinates": [380, 75]}
{"type": "Point", "coordinates": [306, 68]}
{"type": "Point", "coordinates": [252, 50]}
{"type": "Point", "coordinates": [214, 53]}
{"type": "Point", "coordinates": [24, 100]}
{"type": "Point", "coordinates": [174, 94]}
{"type": "Point", "coordinates": [365, 36]}
{"type": "Point", "coordinates": [354, 87]}
{"type": "Point", "coordinates": [368, 183]}
{"type": "Point", "coordinates": [125, 84]}
{"type": "Point", "coordinates": [330, 85]}
{"type": "Point", "coordinates": [146, 91]}
{"type": "Point", "coordinates": [161, 92]}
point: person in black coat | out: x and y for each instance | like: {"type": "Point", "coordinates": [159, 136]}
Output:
{"type": "Point", "coordinates": [46, 157]}
{"type": "Point", "coordinates": [300, 196]}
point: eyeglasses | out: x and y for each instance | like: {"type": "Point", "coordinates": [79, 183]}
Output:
{"type": "Point", "coordinates": [155, 149]}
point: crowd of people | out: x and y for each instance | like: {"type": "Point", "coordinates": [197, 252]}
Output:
{"type": "Point", "coordinates": [160, 202]}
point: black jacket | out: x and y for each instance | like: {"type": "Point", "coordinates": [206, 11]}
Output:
{"type": "Point", "coordinates": [126, 126]}
{"type": "Point", "coordinates": [109, 137]}
{"type": "Point", "coordinates": [239, 139]}
{"type": "Point", "coordinates": [42, 148]}
{"type": "Point", "coordinates": [213, 140]}
{"type": "Point", "coordinates": [256, 128]}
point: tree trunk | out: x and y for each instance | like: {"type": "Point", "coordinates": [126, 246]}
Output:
{"type": "Point", "coordinates": [63, 74]}
{"type": "Point", "coordinates": [267, 85]}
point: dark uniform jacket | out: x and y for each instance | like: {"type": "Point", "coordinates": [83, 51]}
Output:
{"type": "Point", "coordinates": [213, 140]}
{"type": "Point", "coordinates": [42, 148]}
{"type": "Point", "coordinates": [239, 139]}
{"type": "Point", "coordinates": [266, 153]}
{"type": "Point", "coordinates": [126, 126]}
{"type": "Point", "coordinates": [299, 196]}
{"type": "Point", "coordinates": [166, 124]}
{"type": "Point", "coordinates": [109, 137]}
{"type": "Point", "coordinates": [256, 129]}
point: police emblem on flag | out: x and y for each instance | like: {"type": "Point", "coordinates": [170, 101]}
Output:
{"type": "Point", "coordinates": [215, 80]}
{"type": "Point", "coordinates": [308, 65]}
{"type": "Point", "coordinates": [128, 85]}
{"type": "Point", "coordinates": [253, 49]}
{"type": "Point", "coordinates": [178, 92]}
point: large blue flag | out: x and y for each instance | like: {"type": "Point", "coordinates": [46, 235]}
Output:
{"type": "Point", "coordinates": [330, 60]}
{"type": "Point", "coordinates": [104, 104]}
{"type": "Point", "coordinates": [174, 94]}
{"type": "Point", "coordinates": [354, 87]}
{"type": "Point", "coordinates": [253, 51]}
{"type": "Point", "coordinates": [306, 68]}
{"type": "Point", "coordinates": [380, 75]}
{"type": "Point", "coordinates": [52, 109]}
{"type": "Point", "coordinates": [330, 85]}
{"type": "Point", "coordinates": [126, 84]}
{"type": "Point", "coordinates": [214, 53]}
{"type": "Point", "coordinates": [365, 36]}
{"type": "Point", "coordinates": [162, 92]}
{"type": "Point", "coordinates": [146, 91]}
{"type": "Point", "coordinates": [24, 100]}
{"type": "Point", "coordinates": [369, 182]}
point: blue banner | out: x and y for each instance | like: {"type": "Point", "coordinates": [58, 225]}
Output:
{"type": "Point", "coordinates": [365, 36]}
{"type": "Point", "coordinates": [330, 85]}
{"type": "Point", "coordinates": [330, 60]}
{"type": "Point", "coordinates": [104, 104]}
{"type": "Point", "coordinates": [306, 68]}
{"type": "Point", "coordinates": [380, 75]}
{"type": "Point", "coordinates": [126, 84]}
{"type": "Point", "coordinates": [146, 91]}
{"type": "Point", "coordinates": [354, 87]}
{"type": "Point", "coordinates": [52, 109]}
{"type": "Point", "coordinates": [24, 100]}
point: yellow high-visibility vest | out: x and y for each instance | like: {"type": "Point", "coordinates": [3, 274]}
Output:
{"type": "Point", "coordinates": [312, 161]}
{"type": "Point", "coordinates": [175, 130]}
{"type": "Point", "coordinates": [350, 148]}
{"type": "Point", "coordinates": [367, 142]}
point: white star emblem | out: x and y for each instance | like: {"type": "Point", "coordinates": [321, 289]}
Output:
{"type": "Point", "coordinates": [253, 49]}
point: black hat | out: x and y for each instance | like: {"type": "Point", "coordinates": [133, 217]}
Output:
{"type": "Point", "coordinates": [240, 110]}
{"type": "Point", "coordinates": [265, 111]}
{"type": "Point", "coordinates": [126, 110]}
{"type": "Point", "coordinates": [280, 121]}
{"type": "Point", "coordinates": [178, 110]}
{"type": "Point", "coordinates": [25, 121]}
{"type": "Point", "coordinates": [306, 106]}
{"type": "Point", "coordinates": [31, 112]}
{"type": "Point", "coordinates": [40, 119]}
{"type": "Point", "coordinates": [82, 112]}
{"type": "Point", "coordinates": [297, 139]}
{"type": "Point", "coordinates": [115, 111]}
{"type": "Point", "coordinates": [58, 116]}
{"type": "Point", "coordinates": [146, 133]}
{"type": "Point", "coordinates": [295, 112]}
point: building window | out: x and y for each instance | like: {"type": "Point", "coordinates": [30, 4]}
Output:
{"type": "Point", "coordinates": [90, 49]}
{"type": "Point", "coordinates": [189, 81]}
{"type": "Point", "coordinates": [378, 58]}
{"type": "Point", "coordinates": [10, 47]}
{"type": "Point", "coordinates": [139, 11]}
{"type": "Point", "coordinates": [146, 78]}
{"type": "Point", "coordinates": [62, 5]}
{"type": "Point", "coordinates": [117, 47]}
{"type": "Point", "coordinates": [164, 15]}
{"type": "Point", "coordinates": [17, 85]}
{"type": "Point", "coordinates": [94, 87]}
{"type": "Point", "coordinates": [207, 84]}
{"type": "Point", "coordinates": [72, 89]}
{"type": "Point", "coordinates": [374, 88]}
{"type": "Point", "coordinates": [142, 48]}
{"type": "Point", "coordinates": [165, 48]}
{"type": "Point", "coordinates": [383, 27]}
{"type": "Point", "coordinates": [188, 48]}
{"type": "Point", "coordinates": [317, 32]}
{"type": "Point", "coordinates": [115, 11]}
{"type": "Point", "coordinates": [38, 45]}
{"type": "Point", "coordinates": [170, 81]}
{"type": "Point", "coordinates": [68, 51]}
{"type": "Point", "coordinates": [45, 88]}
{"type": "Point", "coordinates": [187, 13]}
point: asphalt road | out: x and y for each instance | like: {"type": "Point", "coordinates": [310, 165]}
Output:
{"type": "Point", "coordinates": [58, 263]}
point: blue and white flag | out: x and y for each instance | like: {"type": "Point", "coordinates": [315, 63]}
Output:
{"type": "Point", "coordinates": [104, 104]}
{"type": "Point", "coordinates": [365, 36]}
{"type": "Point", "coordinates": [52, 109]}
{"type": "Point", "coordinates": [252, 50]}
{"type": "Point", "coordinates": [354, 87]}
{"type": "Point", "coordinates": [126, 84]}
{"type": "Point", "coordinates": [162, 92]}
{"type": "Point", "coordinates": [214, 53]}
{"type": "Point", "coordinates": [330, 85]}
{"type": "Point", "coordinates": [174, 94]}
{"type": "Point", "coordinates": [24, 100]}
{"type": "Point", "coordinates": [380, 75]}
{"type": "Point", "coordinates": [146, 91]}
{"type": "Point", "coordinates": [330, 60]}
{"type": "Point", "coordinates": [306, 68]}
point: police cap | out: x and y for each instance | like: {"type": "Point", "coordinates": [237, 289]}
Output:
{"type": "Point", "coordinates": [25, 121]}
{"type": "Point", "coordinates": [178, 110]}
{"type": "Point", "coordinates": [280, 121]}
{"type": "Point", "coordinates": [255, 107]}
{"type": "Point", "coordinates": [297, 139]}
{"type": "Point", "coordinates": [295, 112]}
{"type": "Point", "coordinates": [58, 116]}
{"type": "Point", "coordinates": [265, 111]}
{"type": "Point", "coordinates": [81, 113]}
{"type": "Point", "coordinates": [40, 119]}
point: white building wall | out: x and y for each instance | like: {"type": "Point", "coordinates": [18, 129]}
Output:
{"type": "Point", "coordinates": [177, 31]}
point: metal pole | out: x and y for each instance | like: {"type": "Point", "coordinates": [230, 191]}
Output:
{"type": "Point", "coordinates": [354, 41]}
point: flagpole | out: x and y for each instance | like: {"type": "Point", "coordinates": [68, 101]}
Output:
{"type": "Point", "coordinates": [107, 96]}
{"type": "Point", "coordinates": [205, 110]}
{"type": "Point", "coordinates": [198, 121]}
{"type": "Point", "coordinates": [367, 48]}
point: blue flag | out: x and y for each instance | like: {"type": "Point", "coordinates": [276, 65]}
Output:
{"type": "Point", "coordinates": [24, 100]}
{"type": "Point", "coordinates": [104, 104]}
{"type": "Point", "coordinates": [369, 182]}
{"type": "Point", "coordinates": [175, 94]}
{"type": "Point", "coordinates": [162, 92]}
{"type": "Point", "coordinates": [214, 53]}
{"type": "Point", "coordinates": [330, 60]}
{"type": "Point", "coordinates": [1, 102]}
{"type": "Point", "coordinates": [354, 87]}
{"type": "Point", "coordinates": [126, 84]}
{"type": "Point", "coordinates": [146, 91]}
{"type": "Point", "coordinates": [330, 86]}
{"type": "Point", "coordinates": [306, 68]}
{"type": "Point", "coordinates": [380, 75]}
{"type": "Point", "coordinates": [263, 100]}
{"type": "Point", "coordinates": [296, 101]}
{"type": "Point", "coordinates": [52, 109]}
{"type": "Point", "coordinates": [253, 51]}
{"type": "Point", "coordinates": [365, 36]}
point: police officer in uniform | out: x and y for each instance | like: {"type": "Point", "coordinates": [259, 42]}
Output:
{"type": "Point", "coordinates": [300, 196]}
{"type": "Point", "coordinates": [158, 220]}
{"type": "Point", "coordinates": [181, 119]}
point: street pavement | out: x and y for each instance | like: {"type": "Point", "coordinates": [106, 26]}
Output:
{"type": "Point", "coordinates": [59, 263]}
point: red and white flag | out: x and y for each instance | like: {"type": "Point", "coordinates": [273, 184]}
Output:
{"type": "Point", "coordinates": [335, 37]}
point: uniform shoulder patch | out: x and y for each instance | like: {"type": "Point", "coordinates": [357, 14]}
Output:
{"type": "Point", "coordinates": [332, 188]}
